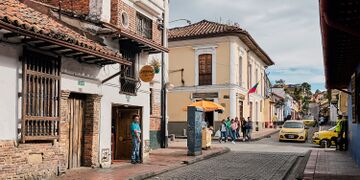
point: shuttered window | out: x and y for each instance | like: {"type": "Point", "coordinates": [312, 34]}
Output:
{"type": "Point", "coordinates": [205, 69]}
{"type": "Point", "coordinates": [40, 97]}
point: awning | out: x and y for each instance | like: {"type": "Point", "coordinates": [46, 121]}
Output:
{"type": "Point", "coordinates": [41, 31]}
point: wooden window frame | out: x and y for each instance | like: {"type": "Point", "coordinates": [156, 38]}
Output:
{"type": "Point", "coordinates": [207, 75]}
{"type": "Point", "coordinates": [41, 91]}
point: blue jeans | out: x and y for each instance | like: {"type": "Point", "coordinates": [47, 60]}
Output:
{"type": "Point", "coordinates": [233, 135]}
{"type": "Point", "coordinates": [223, 136]}
{"type": "Point", "coordinates": [135, 155]}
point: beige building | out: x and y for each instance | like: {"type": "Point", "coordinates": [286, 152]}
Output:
{"type": "Point", "coordinates": [216, 62]}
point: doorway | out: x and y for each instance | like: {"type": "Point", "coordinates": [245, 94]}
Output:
{"type": "Point", "coordinates": [209, 119]}
{"type": "Point", "coordinates": [121, 140]}
{"type": "Point", "coordinates": [241, 109]}
{"type": "Point", "coordinates": [76, 117]}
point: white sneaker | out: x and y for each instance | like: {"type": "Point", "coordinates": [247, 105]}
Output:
{"type": "Point", "coordinates": [243, 139]}
{"type": "Point", "coordinates": [233, 142]}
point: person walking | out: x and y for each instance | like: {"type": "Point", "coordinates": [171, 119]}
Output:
{"type": "Point", "coordinates": [243, 128]}
{"type": "Point", "coordinates": [234, 127]}
{"type": "Point", "coordinates": [238, 127]}
{"type": "Point", "coordinates": [228, 127]}
{"type": "Point", "coordinates": [249, 128]}
{"type": "Point", "coordinates": [136, 140]}
{"type": "Point", "coordinates": [223, 131]}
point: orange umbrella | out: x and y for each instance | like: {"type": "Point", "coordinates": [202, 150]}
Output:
{"type": "Point", "coordinates": [207, 106]}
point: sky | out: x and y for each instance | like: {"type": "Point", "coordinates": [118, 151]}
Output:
{"type": "Point", "coordinates": [287, 30]}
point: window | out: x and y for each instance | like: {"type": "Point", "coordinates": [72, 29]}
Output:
{"type": "Point", "coordinates": [144, 26]}
{"type": "Point", "coordinates": [40, 97]}
{"type": "Point", "coordinates": [257, 79]}
{"type": "Point", "coordinates": [249, 76]}
{"type": "Point", "coordinates": [205, 69]}
{"type": "Point", "coordinates": [240, 71]}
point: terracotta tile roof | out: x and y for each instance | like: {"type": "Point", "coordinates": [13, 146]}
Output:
{"type": "Point", "coordinates": [206, 29]}
{"type": "Point", "coordinates": [19, 18]}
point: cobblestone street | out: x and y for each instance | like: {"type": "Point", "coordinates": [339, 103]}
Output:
{"type": "Point", "coordinates": [264, 159]}
{"type": "Point", "coordinates": [237, 165]}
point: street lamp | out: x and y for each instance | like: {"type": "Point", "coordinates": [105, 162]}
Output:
{"type": "Point", "coordinates": [187, 21]}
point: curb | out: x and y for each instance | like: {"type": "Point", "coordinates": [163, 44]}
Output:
{"type": "Point", "coordinates": [296, 171]}
{"type": "Point", "coordinates": [185, 163]}
{"type": "Point", "coordinates": [254, 139]}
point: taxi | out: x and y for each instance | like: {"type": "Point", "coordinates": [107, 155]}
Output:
{"type": "Point", "coordinates": [293, 130]}
{"type": "Point", "coordinates": [325, 138]}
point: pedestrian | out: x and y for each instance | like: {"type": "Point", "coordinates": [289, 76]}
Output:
{"type": "Point", "coordinates": [234, 127]}
{"type": "Point", "coordinates": [238, 127]}
{"type": "Point", "coordinates": [228, 128]}
{"type": "Point", "coordinates": [340, 129]}
{"type": "Point", "coordinates": [249, 128]}
{"type": "Point", "coordinates": [136, 140]}
{"type": "Point", "coordinates": [243, 128]}
{"type": "Point", "coordinates": [223, 131]}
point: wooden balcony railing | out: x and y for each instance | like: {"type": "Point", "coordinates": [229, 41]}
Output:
{"type": "Point", "coordinates": [41, 128]}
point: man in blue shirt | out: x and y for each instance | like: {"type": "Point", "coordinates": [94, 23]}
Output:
{"type": "Point", "coordinates": [135, 134]}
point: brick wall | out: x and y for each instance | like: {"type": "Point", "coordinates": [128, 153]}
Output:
{"type": "Point", "coordinates": [78, 6]}
{"type": "Point", "coordinates": [91, 135]}
{"type": "Point", "coordinates": [155, 120]}
{"type": "Point", "coordinates": [118, 6]}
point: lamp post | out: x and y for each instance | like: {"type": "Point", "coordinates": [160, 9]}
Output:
{"type": "Point", "coordinates": [182, 19]}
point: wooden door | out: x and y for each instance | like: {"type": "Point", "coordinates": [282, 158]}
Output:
{"type": "Point", "coordinates": [241, 109]}
{"type": "Point", "coordinates": [123, 139]}
{"type": "Point", "coordinates": [76, 131]}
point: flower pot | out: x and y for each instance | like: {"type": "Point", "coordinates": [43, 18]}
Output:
{"type": "Point", "coordinates": [156, 70]}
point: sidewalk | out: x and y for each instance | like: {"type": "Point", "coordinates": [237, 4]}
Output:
{"type": "Point", "coordinates": [331, 165]}
{"type": "Point", "coordinates": [160, 160]}
{"type": "Point", "coordinates": [258, 135]}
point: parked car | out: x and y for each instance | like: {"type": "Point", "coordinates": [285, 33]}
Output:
{"type": "Point", "coordinates": [293, 130]}
{"type": "Point", "coordinates": [309, 122]}
{"type": "Point", "coordinates": [325, 138]}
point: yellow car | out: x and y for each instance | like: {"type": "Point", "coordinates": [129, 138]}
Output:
{"type": "Point", "coordinates": [309, 122]}
{"type": "Point", "coordinates": [325, 138]}
{"type": "Point", "coordinates": [293, 130]}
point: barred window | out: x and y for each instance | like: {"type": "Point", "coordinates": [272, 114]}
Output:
{"type": "Point", "coordinates": [144, 26]}
{"type": "Point", "coordinates": [40, 97]}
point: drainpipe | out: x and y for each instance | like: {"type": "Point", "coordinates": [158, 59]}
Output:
{"type": "Point", "coordinates": [164, 138]}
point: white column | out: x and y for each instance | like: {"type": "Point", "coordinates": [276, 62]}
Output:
{"type": "Point", "coordinates": [232, 79]}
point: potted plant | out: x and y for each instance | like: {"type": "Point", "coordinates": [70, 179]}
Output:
{"type": "Point", "coordinates": [156, 65]}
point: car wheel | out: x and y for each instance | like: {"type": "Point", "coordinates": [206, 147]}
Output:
{"type": "Point", "coordinates": [325, 142]}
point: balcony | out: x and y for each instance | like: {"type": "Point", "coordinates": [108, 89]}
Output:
{"type": "Point", "coordinates": [129, 85]}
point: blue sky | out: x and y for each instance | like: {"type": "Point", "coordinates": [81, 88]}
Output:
{"type": "Point", "coordinates": [288, 30]}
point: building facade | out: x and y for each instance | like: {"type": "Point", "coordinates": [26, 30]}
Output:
{"type": "Point", "coordinates": [340, 39]}
{"type": "Point", "coordinates": [219, 66]}
{"type": "Point", "coordinates": [71, 86]}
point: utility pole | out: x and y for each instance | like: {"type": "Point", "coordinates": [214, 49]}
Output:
{"type": "Point", "coordinates": [164, 138]}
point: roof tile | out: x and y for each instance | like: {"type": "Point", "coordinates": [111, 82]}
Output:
{"type": "Point", "coordinates": [14, 13]}
{"type": "Point", "coordinates": [205, 29]}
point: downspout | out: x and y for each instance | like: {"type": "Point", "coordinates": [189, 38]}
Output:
{"type": "Point", "coordinates": [164, 138]}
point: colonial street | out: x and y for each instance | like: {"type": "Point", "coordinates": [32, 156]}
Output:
{"type": "Point", "coordinates": [264, 159]}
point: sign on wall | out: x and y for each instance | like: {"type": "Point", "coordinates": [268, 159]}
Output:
{"type": "Point", "coordinates": [146, 73]}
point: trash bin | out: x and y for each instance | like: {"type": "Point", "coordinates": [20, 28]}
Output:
{"type": "Point", "coordinates": [206, 138]}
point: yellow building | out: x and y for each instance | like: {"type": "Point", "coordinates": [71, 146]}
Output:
{"type": "Point", "coordinates": [216, 62]}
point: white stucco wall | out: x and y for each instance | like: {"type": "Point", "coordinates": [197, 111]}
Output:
{"type": "Point", "coordinates": [9, 87]}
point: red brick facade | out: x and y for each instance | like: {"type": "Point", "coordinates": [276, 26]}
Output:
{"type": "Point", "coordinates": [119, 6]}
{"type": "Point", "coordinates": [78, 6]}
{"type": "Point", "coordinates": [155, 117]}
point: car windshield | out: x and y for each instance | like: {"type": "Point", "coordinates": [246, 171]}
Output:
{"type": "Point", "coordinates": [332, 129]}
{"type": "Point", "coordinates": [293, 125]}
